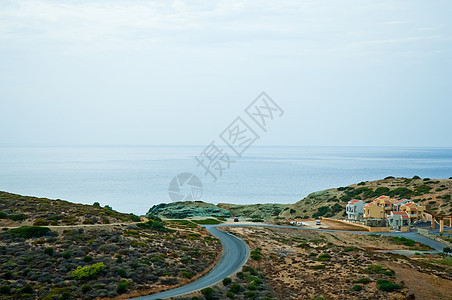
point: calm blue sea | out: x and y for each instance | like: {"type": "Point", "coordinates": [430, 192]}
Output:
{"type": "Point", "coordinates": [132, 179]}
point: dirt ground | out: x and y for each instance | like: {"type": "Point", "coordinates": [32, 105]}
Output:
{"type": "Point", "coordinates": [304, 264]}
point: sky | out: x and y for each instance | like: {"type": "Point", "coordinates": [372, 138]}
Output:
{"type": "Point", "coordinates": [345, 73]}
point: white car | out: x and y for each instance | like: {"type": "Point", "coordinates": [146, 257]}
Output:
{"type": "Point", "coordinates": [317, 222]}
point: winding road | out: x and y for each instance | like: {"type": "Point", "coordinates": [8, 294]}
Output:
{"type": "Point", "coordinates": [236, 253]}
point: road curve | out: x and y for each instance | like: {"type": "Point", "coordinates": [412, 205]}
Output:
{"type": "Point", "coordinates": [411, 235]}
{"type": "Point", "coordinates": [235, 254]}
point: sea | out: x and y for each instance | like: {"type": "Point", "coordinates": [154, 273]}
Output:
{"type": "Point", "coordinates": [134, 178]}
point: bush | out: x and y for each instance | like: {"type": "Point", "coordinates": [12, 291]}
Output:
{"type": "Point", "coordinates": [27, 232]}
{"type": "Point", "coordinates": [321, 212]}
{"type": "Point", "coordinates": [235, 288]}
{"type": "Point", "coordinates": [86, 288]}
{"type": "Point", "coordinates": [3, 215]}
{"type": "Point", "coordinates": [416, 177]}
{"type": "Point", "coordinates": [187, 274]}
{"type": "Point", "coordinates": [122, 272]}
{"type": "Point", "coordinates": [252, 286]}
{"type": "Point", "coordinates": [227, 281]}
{"type": "Point", "coordinates": [88, 272]}
{"type": "Point", "coordinates": [49, 251]}
{"type": "Point", "coordinates": [122, 287]}
{"type": "Point", "coordinates": [88, 258]}
{"type": "Point", "coordinates": [364, 280]}
{"type": "Point", "coordinates": [5, 290]}
{"type": "Point", "coordinates": [323, 257]}
{"type": "Point", "coordinates": [67, 255]}
{"type": "Point", "coordinates": [357, 288]}
{"type": "Point", "coordinates": [230, 295]}
{"type": "Point", "coordinates": [387, 286]}
{"type": "Point", "coordinates": [256, 254]}
{"type": "Point", "coordinates": [27, 289]}
{"type": "Point", "coordinates": [17, 217]}
{"type": "Point", "coordinates": [40, 222]}
{"type": "Point", "coordinates": [208, 293]}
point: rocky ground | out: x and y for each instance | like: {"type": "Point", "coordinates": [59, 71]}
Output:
{"type": "Point", "coordinates": [302, 264]}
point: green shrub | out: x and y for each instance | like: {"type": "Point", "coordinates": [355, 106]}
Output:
{"type": "Point", "coordinates": [227, 281]}
{"type": "Point", "coordinates": [40, 222]}
{"type": "Point", "coordinates": [323, 257]}
{"type": "Point", "coordinates": [256, 254]}
{"type": "Point", "coordinates": [27, 232]}
{"type": "Point", "coordinates": [67, 255]}
{"type": "Point", "coordinates": [318, 267]}
{"type": "Point", "coordinates": [208, 293]}
{"type": "Point", "coordinates": [387, 286]}
{"type": "Point", "coordinates": [378, 269]}
{"type": "Point", "coordinates": [17, 217]}
{"type": "Point", "coordinates": [252, 287]}
{"type": "Point", "coordinates": [235, 288]}
{"type": "Point", "coordinates": [5, 290]}
{"type": "Point", "coordinates": [357, 288]}
{"type": "Point", "coordinates": [249, 269]}
{"type": "Point", "coordinates": [88, 272]}
{"type": "Point", "coordinates": [363, 280]}
{"type": "Point", "coordinates": [122, 287]}
{"type": "Point", "coordinates": [49, 251]}
{"type": "Point", "coordinates": [230, 295]}
{"type": "Point", "coordinates": [86, 288]}
{"type": "Point", "coordinates": [121, 272]}
{"type": "Point", "coordinates": [3, 215]}
{"type": "Point", "coordinates": [87, 258]}
{"type": "Point", "coordinates": [27, 289]}
{"type": "Point", "coordinates": [187, 274]}
{"type": "Point", "coordinates": [240, 275]}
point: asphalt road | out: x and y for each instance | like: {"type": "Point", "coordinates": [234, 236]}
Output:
{"type": "Point", "coordinates": [409, 235]}
{"type": "Point", "coordinates": [235, 254]}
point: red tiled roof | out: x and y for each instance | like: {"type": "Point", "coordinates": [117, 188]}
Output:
{"type": "Point", "coordinates": [353, 201]}
{"type": "Point", "coordinates": [400, 201]}
{"type": "Point", "coordinates": [369, 204]}
{"type": "Point", "coordinates": [401, 213]}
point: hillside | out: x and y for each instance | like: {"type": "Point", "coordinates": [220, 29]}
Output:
{"type": "Point", "coordinates": [24, 210]}
{"type": "Point", "coordinates": [79, 256]}
{"type": "Point", "coordinates": [435, 194]}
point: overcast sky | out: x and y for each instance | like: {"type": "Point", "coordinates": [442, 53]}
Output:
{"type": "Point", "coordinates": [350, 72]}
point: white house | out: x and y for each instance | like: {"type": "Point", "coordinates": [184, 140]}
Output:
{"type": "Point", "coordinates": [397, 219]}
{"type": "Point", "coordinates": [355, 209]}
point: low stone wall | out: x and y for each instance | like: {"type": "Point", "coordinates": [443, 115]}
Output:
{"type": "Point", "coordinates": [368, 228]}
{"type": "Point", "coordinates": [426, 233]}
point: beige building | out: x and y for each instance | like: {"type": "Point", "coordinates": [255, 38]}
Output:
{"type": "Point", "coordinates": [373, 211]}
{"type": "Point", "coordinates": [415, 212]}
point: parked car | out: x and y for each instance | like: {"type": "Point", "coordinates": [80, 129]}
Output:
{"type": "Point", "coordinates": [236, 219]}
{"type": "Point", "coordinates": [317, 222]}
